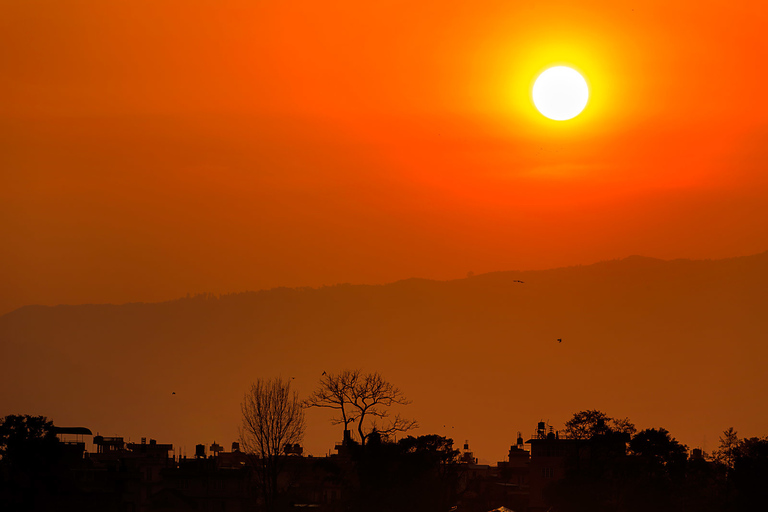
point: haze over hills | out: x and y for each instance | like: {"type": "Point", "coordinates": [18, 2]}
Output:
{"type": "Point", "coordinates": [676, 344]}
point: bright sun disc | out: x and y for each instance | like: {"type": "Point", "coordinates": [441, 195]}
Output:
{"type": "Point", "coordinates": [560, 93]}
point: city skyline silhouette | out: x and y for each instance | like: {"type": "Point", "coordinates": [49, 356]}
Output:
{"type": "Point", "coordinates": [201, 197]}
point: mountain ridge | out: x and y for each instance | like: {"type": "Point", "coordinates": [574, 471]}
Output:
{"type": "Point", "coordinates": [603, 263]}
{"type": "Point", "coordinates": [661, 342]}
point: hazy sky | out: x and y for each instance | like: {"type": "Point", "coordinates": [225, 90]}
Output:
{"type": "Point", "coordinates": [150, 148]}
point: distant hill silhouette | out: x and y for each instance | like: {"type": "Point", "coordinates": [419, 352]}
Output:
{"type": "Point", "coordinates": [679, 344]}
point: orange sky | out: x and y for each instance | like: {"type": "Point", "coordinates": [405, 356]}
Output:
{"type": "Point", "coordinates": [154, 148]}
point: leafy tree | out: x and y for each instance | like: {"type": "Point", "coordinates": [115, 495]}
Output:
{"type": "Point", "coordinates": [596, 473]}
{"type": "Point", "coordinates": [750, 473]}
{"type": "Point", "coordinates": [416, 474]}
{"type": "Point", "coordinates": [623, 425]}
{"type": "Point", "coordinates": [659, 450]}
{"type": "Point", "coordinates": [726, 452]}
{"type": "Point", "coordinates": [20, 436]}
{"type": "Point", "coordinates": [660, 463]}
{"type": "Point", "coordinates": [272, 418]}
{"type": "Point", "coordinates": [437, 449]}
{"type": "Point", "coordinates": [592, 422]}
{"type": "Point", "coordinates": [30, 462]}
{"type": "Point", "coordinates": [703, 488]}
{"type": "Point", "coordinates": [604, 476]}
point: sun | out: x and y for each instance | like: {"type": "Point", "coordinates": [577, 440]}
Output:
{"type": "Point", "coordinates": [560, 93]}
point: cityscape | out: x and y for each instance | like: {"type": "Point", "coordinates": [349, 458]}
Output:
{"type": "Point", "coordinates": [395, 256]}
{"type": "Point", "coordinates": [593, 462]}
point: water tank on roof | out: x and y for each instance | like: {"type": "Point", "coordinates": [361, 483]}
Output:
{"type": "Point", "coordinates": [200, 451]}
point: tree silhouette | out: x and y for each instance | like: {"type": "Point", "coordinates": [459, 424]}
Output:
{"type": "Point", "coordinates": [416, 474]}
{"type": "Point", "coordinates": [272, 418]}
{"type": "Point", "coordinates": [372, 397]}
{"type": "Point", "coordinates": [660, 466]}
{"type": "Point", "coordinates": [659, 450]}
{"type": "Point", "coordinates": [653, 474]}
{"type": "Point", "coordinates": [592, 422]}
{"type": "Point", "coordinates": [334, 393]}
{"type": "Point", "coordinates": [30, 462]}
{"type": "Point", "coordinates": [596, 473]}
{"type": "Point", "coordinates": [726, 452]}
{"type": "Point", "coordinates": [750, 474]}
{"type": "Point", "coordinates": [362, 398]}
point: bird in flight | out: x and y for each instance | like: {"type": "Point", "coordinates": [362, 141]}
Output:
{"type": "Point", "coordinates": [323, 373]}
{"type": "Point", "coordinates": [173, 393]}
{"type": "Point", "coordinates": [559, 340]}
{"type": "Point", "coordinates": [518, 281]}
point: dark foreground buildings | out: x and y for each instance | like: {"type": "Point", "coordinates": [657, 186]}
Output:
{"type": "Point", "coordinates": [544, 472]}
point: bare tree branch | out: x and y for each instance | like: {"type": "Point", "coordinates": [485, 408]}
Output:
{"type": "Point", "coordinates": [334, 393]}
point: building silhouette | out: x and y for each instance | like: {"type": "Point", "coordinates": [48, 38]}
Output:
{"type": "Point", "coordinates": [148, 476]}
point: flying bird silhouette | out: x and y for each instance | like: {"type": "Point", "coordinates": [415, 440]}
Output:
{"type": "Point", "coordinates": [559, 340]}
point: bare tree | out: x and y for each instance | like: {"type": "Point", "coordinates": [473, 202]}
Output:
{"type": "Point", "coordinates": [272, 418]}
{"type": "Point", "coordinates": [334, 393]}
{"type": "Point", "coordinates": [371, 397]}
{"type": "Point", "coordinates": [362, 398]}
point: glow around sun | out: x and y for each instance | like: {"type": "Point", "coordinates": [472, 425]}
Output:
{"type": "Point", "coordinates": [560, 93]}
